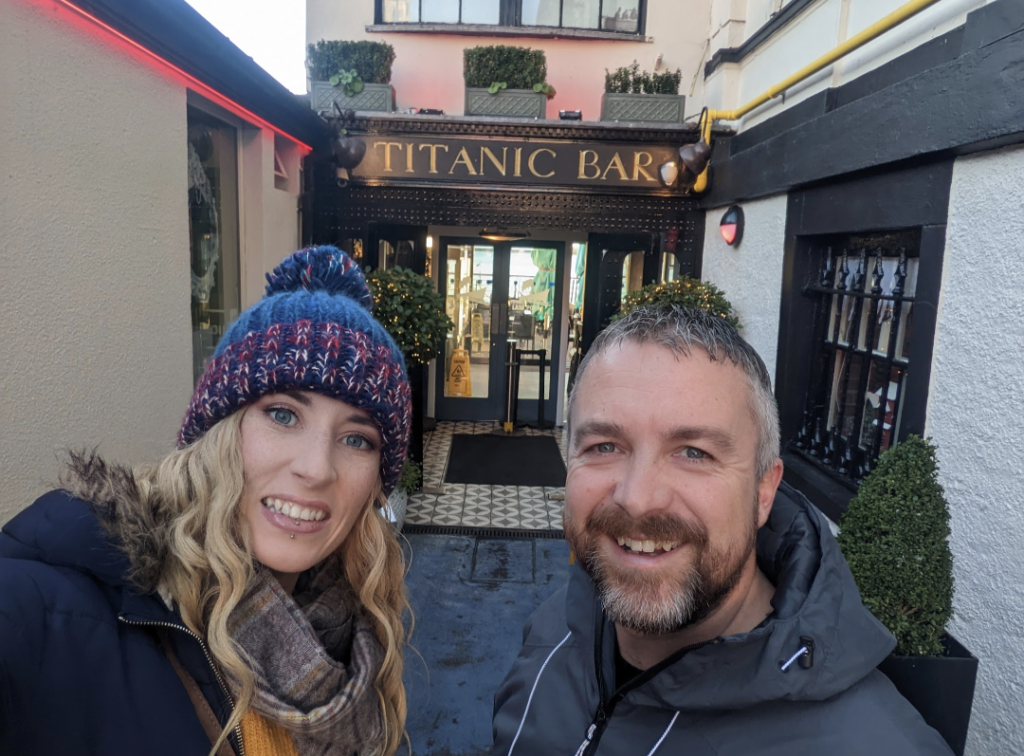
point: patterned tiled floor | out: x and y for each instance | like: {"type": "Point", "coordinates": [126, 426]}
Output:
{"type": "Point", "coordinates": [440, 503]}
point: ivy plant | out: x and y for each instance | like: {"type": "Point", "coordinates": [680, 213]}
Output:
{"type": "Point", "coordinates": [349, 81]}
{"type": "Point", "coordinates": [412, 310]}
{"type": "Point", "coordinates": [683, 292]}
{"type": "Point", "coordinates": [894, 536]}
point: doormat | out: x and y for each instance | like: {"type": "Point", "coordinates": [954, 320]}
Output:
{"type": "Point", "coordinates": [505, 461]}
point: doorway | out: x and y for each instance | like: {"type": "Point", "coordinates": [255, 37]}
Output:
{"type": "Point", "coordinates": [497, 293]}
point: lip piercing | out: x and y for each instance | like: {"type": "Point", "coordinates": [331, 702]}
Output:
{"type": "Point", "coordinates": [292, 536]}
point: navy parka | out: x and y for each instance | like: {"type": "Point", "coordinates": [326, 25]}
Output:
{"type": "Point", "coordinates": [81, 668]}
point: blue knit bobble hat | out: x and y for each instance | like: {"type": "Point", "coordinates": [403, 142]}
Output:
{"type": "Point", "coordinates": [312, 331]}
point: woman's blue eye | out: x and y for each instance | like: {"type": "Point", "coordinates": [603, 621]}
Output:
{"type": "Point", "coordinates": [357, 442]}
{"type": "Point", "coordinates": [282, 416]}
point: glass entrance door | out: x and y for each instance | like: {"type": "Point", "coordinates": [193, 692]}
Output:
{"type": "Point", "coordinates": [497, 293]}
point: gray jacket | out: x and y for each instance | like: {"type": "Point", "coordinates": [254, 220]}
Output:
{"type": "Point", "coordinates": [729, 696]}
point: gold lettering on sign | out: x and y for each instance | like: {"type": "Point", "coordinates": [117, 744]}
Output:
{"type": "Point", "coordinates": [531, 163]}
{"type": "Point", "coordinates": [408, 159]}
{"type": "Point", "coordinates": [493, 158]}
{"type": "Point", "coordinates": [463, 158]}
{"type": "Point", "coordinates": [638, 166]}
{"type": "Point", "coordinates": [387, 153]}
{"type": "Point", "coordinates": [584, 164]}
{"type": "Point", "coordinates": [616, 163]}
{"type": "Point", "coordinates": [433, 154]}
{"type": "Point", "coordinates": [517, 171]}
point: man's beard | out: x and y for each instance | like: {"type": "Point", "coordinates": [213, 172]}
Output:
{"type": "Point", "coordinates": [656, 603]}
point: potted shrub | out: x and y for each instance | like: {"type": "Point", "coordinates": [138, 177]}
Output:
{"type": "Point", "coordinates": [894, 537]}
{"type": "Point", "coordinates": [410, 482]}
{"type": "Point", "coordinates": [355, 75]}
{"type": "Point", "coordinates": [504, 80]}
{"type": "Point", "coordinates": [635, 95]}
{"type": "Point", "coordinates": [683, 292]}
{"type": "Point", "coordinates": [412, 310]}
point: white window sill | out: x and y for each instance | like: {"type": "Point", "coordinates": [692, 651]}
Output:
{"type": "Point", "coordinates": [486, 30]}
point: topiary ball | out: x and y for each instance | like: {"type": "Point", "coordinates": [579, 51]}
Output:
{"type": "Point", "coordinates": [894, 536]}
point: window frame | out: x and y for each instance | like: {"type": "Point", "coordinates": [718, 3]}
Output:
{"type": "Point", "coordinates": [510, 21]}
{"type": "Point", "coordinates": [913, 199]}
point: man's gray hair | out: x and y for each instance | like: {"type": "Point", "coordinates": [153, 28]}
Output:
{"type": "Point", "coordinates": [680, 330]}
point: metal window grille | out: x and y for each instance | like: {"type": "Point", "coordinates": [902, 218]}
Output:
{"type": "Point", "coordinates": [863, 326]}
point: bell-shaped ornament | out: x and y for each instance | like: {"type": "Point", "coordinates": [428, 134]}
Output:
{"type": "Point", "coordinates": [348, 151]}
{"type": "Point", "coordinates": [695, 156]}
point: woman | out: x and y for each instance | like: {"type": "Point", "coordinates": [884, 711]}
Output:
{"type": "Point", "coordinates": [244, 595]}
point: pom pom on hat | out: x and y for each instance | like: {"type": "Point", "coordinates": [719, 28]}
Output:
{"type": "Point", "coordinates": [323, 268]}
{"type": "Point", "coordinates": [313, 331]}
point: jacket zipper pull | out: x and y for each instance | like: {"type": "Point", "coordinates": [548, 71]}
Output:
{"type": "Point", "coordinates": [586, 741]}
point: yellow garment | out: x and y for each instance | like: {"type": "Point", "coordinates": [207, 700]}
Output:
{"type": "Point", "coordinates": [263, 737]}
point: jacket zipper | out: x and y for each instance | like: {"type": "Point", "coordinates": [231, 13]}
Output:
{"type": "Point", "coordinates": [209, 659]}
{"type": "Point", "coordinates": [603, 714]}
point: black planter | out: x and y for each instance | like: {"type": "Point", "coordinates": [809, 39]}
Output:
{"type": "Point", "coordinates": [941, 688]}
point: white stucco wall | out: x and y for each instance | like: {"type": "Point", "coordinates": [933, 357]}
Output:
{"type": "Point", "coordinates": [94, 261]}
{"type": "Point", "coordinates": [269, 216]}
{"type": "Point", "coordinates": [428, 67]}
{"type": "Point", "coordinates": [815, 31]}
{"type": "Point", "coordinates": [975, 411]}
{"type": "Point", "coordinates": [751, 273]}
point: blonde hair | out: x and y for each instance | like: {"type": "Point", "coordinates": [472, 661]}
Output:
{"type": "Point", "coordinates": [196, 545]}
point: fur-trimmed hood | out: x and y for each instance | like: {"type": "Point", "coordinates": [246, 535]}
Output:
{"type": "Point", "coordinates": [79, 661]}
{"type": "Point", "coordinates": [136, 529]}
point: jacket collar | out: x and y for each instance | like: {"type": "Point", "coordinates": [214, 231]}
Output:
{"type": "Point", "coordinates": [815, 598]}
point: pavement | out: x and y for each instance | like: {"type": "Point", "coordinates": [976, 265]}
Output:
{"type": "Point", "coordinates": [470, 598]}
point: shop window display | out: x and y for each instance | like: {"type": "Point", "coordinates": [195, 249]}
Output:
{"type": "Point", "coordinates": [213, 232]}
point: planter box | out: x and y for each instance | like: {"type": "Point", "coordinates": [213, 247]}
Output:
{"type": "Point", "coordinates": [398, 502]}
{"type": "Point", "coordinates": [941, 688]}
{"type": "Point", "coordinates": [379, 97]}
{"type": "Point", "coordinates": [508, 103]}
{"type": "Point", "coordinates": [642, 107]}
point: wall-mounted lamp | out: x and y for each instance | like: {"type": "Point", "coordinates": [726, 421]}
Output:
{"type": "Point", "coordinates": [693, 159]}
{"type": "Point", "coordinates": [502, 234]}
{"type": "Point", "coordinates": [731, 225]}
{"type": "Point", "coordinates": [430, 242]}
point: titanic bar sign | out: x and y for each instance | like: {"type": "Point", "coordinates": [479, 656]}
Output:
{"type": "Point", "coordinates": [506, 161]}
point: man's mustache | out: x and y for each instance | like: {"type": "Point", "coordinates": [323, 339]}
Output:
{"type": "Point", "coordinates": [654, 526]}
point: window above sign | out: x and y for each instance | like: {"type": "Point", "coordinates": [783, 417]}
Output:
{"type": "Point", "coordinates": [615, 18]}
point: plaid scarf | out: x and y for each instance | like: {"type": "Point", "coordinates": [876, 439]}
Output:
{"type": "Point", "coordinates": [315, 656]}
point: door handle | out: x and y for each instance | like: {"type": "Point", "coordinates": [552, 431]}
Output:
{"type": "Point", "coordinates": [499, 321]}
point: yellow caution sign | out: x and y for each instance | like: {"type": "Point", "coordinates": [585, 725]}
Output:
{"type": "Point", "coordinates": [458, 375]}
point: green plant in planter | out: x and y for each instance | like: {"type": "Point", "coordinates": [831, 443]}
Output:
{"type": "Point", "coordinates": [411, 480]}
{"type": "Point", "coordinates": [894, 537]}
{"type": "Point", "coordinates": [365, 61]}
{"type": "Point", "coordinates": [497, 67]}
{"type": "Point", "coordinates": [412, 310]}
{"type": "Point", "coordinates": [683, 292]}
{"type": "Point", "coordinates": [350, 82]}
{"type": "Point", "coordinates": [631, 80]}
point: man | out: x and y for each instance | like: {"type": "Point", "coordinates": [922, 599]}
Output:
{"type": "Point", "coordinates": [714, 613]}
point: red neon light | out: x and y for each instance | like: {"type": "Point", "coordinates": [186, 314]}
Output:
{"type": "Point", "coordinates": [205, 89]}
{"type": "Point", "coordinates": [728, 232]}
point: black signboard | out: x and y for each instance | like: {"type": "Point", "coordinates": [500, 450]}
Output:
{"type": "Point", "coordinates": [516, 162]}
